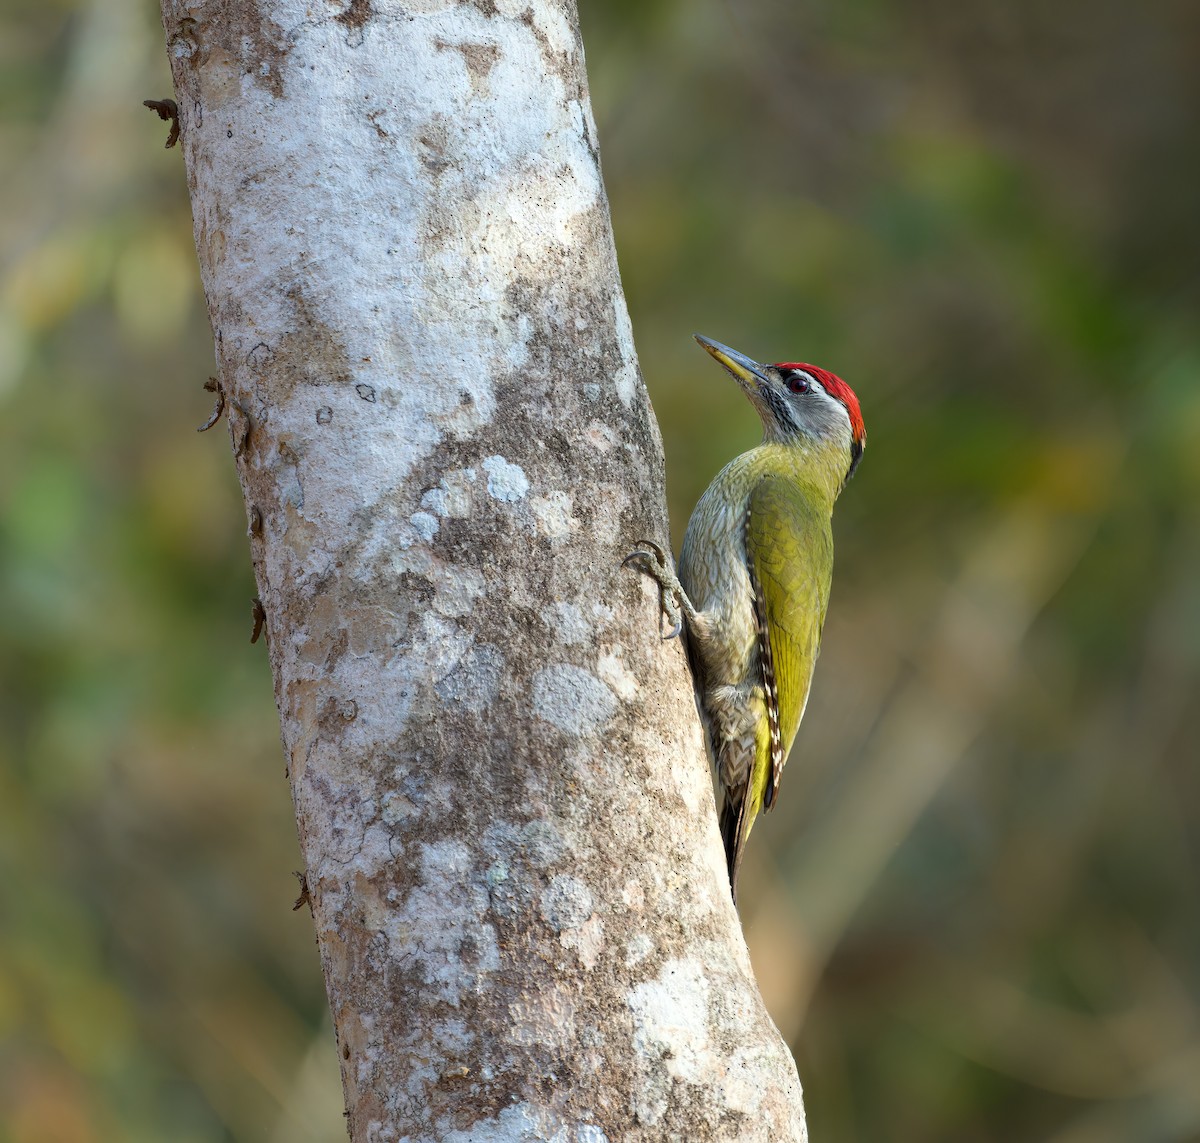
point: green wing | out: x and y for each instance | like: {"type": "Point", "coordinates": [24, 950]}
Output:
{"type": "Point", "coordinates": [789, 551]}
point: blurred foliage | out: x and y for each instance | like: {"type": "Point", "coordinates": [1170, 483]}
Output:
{"type": "Point", "coordinates": [975, 912]}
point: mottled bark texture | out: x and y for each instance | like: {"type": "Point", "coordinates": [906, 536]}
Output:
{"type": "Point", "coordinates": [446, 450]}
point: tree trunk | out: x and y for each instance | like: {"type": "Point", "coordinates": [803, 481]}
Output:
{"type": "Point", "coordinates": [446, 449]}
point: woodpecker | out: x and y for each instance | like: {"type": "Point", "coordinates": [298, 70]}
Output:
{"type": "Point", "coordinates": [754, 574]}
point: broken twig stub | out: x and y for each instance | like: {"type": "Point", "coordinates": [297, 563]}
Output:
{"type": "Point", "coordinates": [168, 110]}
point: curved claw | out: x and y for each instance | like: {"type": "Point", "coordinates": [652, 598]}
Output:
{"type": "Point", "coordinates": [674, 632]}
{"type": "Point", "coordinates": [636, 555]}
{"type": "Point", "coordinates": [648, 550]}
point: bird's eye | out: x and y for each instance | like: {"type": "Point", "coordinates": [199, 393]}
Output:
{"type": "Point", "coordinates": [798, 383]}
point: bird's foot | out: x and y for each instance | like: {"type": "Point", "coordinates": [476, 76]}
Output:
{"type": "Point", "coordinates": [650, 560]}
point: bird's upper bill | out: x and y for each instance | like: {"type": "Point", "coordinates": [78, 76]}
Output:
{"type": "Point", "coordinates": [751, 376]}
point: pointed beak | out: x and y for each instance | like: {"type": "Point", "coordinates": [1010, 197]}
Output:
{"type": "Point", "coordinates": [749, 373]}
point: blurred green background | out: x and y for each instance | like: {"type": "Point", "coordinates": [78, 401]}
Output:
{"type": "Point", "coordinates": [976, 912]}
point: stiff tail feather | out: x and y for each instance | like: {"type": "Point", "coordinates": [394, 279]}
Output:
{"type": "Point", "coordinates": [743, 804]}
{"type": "Point", "coordinates": [734, 831]}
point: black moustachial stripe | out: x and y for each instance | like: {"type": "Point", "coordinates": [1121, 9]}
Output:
{"type": "Point", "coordinates": [781, 409]}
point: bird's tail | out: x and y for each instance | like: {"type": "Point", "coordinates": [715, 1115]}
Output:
{"type": "Point", "coordinates": [734, 831]}
{"type": "Point", "coordinates": [743, 804]}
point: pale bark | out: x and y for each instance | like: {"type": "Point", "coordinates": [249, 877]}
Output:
{"type": "Point", "coordinates": [446, 449]}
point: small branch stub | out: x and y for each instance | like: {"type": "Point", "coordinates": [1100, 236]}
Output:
{"type": "Point", "coordinates": [212, 385]}
{"type": "Point", "coordinates": [259, 615]}
{"type": "Point", "coordinates": [240, 428]}
{"type": "Point", "coordinates": [304, 898]}
{"type": "Point", "coordinates": [168, 110]}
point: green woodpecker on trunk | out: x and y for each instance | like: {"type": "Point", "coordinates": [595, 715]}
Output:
{"type": "Point", "coordinates": [754, 575]}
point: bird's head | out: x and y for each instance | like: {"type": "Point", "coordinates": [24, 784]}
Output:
{"type": "Point", "coordinates": [798, 403]}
